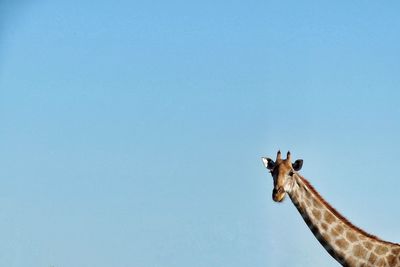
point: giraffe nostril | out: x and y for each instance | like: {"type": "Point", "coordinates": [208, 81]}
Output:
{"type": "Point", "coordinates": [277, 190]}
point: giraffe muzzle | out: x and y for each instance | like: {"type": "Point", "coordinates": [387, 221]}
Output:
{"type": "Point", "coordinates": [278, 194]}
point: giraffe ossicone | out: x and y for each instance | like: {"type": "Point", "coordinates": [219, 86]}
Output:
{"type": "Point", "coordinates": [348, 244]}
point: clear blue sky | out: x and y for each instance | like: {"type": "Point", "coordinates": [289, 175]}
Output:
{"type": "Point", "coordinates": [131, 131]}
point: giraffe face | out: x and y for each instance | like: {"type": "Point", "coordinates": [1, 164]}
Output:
{"type": "Point", "coordinates": [282, 172]}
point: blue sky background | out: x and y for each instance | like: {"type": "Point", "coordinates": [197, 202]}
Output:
{"type": "Point", "coordinates": [131, 132]}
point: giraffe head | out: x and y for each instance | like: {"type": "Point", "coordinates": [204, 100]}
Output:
{"type": "Point", "coordinates": [282, 172]}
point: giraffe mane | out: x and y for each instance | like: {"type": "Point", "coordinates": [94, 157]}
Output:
{"type": "Point", "coordinates": [340, 216]}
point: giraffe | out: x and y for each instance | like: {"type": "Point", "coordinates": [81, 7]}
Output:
{"type": "Point", "coordinates": [345, 242]}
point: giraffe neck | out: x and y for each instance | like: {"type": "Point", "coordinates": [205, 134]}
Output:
{"type": "Point", "coordinates": [349, 245]}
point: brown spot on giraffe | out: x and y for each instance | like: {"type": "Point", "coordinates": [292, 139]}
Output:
{"type": "Point", "coordinates": [368, 245]}
{"type": "Point", "coordinates": [380, 250]}
{"type": "Point", "coordinates": [359, 251]}
{"type": "Point", "coordinates": [342, 243]}
{"type": "Point", "coordinates": [392, 260]}
{"type": "Point", "coordinates": [329, 218]}
{"type": "Point", "coordinates": [351, 236]}
{"type": "Point", "coordinates": [317, 214]}
{"type": "Point", "coordinates": [334, 232]}
{"type": "Point", "coordinates": [372, 258]}
{"type": "Point", "coordinates": [396, 251]}
{"type": "Point", "coordinates": [324, 226]}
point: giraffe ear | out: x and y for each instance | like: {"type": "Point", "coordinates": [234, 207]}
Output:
{"type": "Point", "coordinates": [268, 163]}
{"type": "Point", "coordinates": [297, 165]}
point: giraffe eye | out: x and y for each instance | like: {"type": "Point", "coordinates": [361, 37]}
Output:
{"type": "Point", "coordinates": [291, 173]}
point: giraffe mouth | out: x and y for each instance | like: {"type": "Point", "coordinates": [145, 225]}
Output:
{"type": "Point", "coordinates": [278, 194]}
